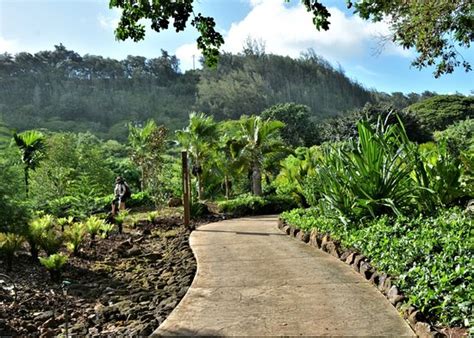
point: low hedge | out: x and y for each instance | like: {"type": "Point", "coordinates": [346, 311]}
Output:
{"type": "Point", "coordinates": [256, 205]}
{"type": "Point", "coordinates": [431, 257]}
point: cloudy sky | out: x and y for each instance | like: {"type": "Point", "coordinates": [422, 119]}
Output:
{"type": "Point", "coordinates": [86, 26]}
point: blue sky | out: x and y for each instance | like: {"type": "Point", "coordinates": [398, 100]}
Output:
{"type": "Point", "coordinates": [86, 26]}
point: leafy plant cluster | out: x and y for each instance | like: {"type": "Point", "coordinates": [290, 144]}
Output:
{"type": "Point", "coordinates": [380, 172]}
{"type": "Point", "coordinates": [49, 234]}
{"type": "Point", "coordinates": [398, 203]}
{"type": "Point", "coordinates": [256, 205]}
{"type": "Point", "coordinates": [431, 257]}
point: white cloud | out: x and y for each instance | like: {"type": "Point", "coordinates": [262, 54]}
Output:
{"type": "Point", "coordinates": [185, 54]}
{"type": "Point", "coordinates": [288, 30]}
{"type": "Point", "coordinates": [9, 46]}
{"type": "Point", "coordinates": [366, 71]}
{"type": "Point", "coordinates": [109, 22]}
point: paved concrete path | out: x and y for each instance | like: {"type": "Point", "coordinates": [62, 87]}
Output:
{"type": "Point", "coordinates": [254, 280]}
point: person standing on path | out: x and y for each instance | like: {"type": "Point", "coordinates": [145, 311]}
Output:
{"type": "Point", "coordinates": [121, 192]}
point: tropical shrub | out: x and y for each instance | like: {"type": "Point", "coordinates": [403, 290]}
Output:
{"type": "Point", "coordinates": [107, 229]}
{"type": "Point", "coordinates": [51, 241]}
{"type": "Point", "coordinates": [299, 130]}
{"type": "Point", "coordinates": [65, 221]}
{"type": "Point", "coordinates": [294, 169]}
{"type": "Point", "coordinates": [120, 218]}
{"type": "Point", "coordinates": [443, 173]}
{"type": "Point", "coordinates": [35, 232]}
{"type": "Point", "coordinates": [198, 209]}
{"type": "Point", "coordinates": [9, 244]}
{"type": "Point", "coordinates": [438, 112]}
{"type": "Point", "coordinates": [344, 127]}
{"type": "Point", "coordinates": [372, 178]}
{"type": "Point", "coordinates": [140, 199]}
{"type": "Point", "coordinates": [54, 264]}
{"type": "Point", "coordinates": [75, 236]}
{"type": "Point", "coordinates": [152, 215]}
{"type": "Point", "coordinates": [93, 225]}
{"type": "Point", "coordinates": [256, 205]}
{"type": "Point", "coordinates": [459, 137]}
{"type": "Point", "coordinates": [14, 211]}
{"type": "Point", "coordinates": [431, 257]}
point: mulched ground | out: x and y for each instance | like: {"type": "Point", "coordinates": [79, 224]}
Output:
{"type": "Point", "coordinates": [124, 285]}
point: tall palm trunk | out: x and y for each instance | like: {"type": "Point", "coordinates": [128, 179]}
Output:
{"type": "Point", "coordinates": [256, 180]}
{"type": "Point", "coordinates": [27, 188]}
{"type": "Point", "coordinates": [200, 186]}
{"type": "Point", "coordinates": [227, 187]}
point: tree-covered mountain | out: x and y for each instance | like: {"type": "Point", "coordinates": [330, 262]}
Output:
{"type": "Point", "coordinates": [61, 90]}
{"type": "Point", "coordinates": [251, 82]}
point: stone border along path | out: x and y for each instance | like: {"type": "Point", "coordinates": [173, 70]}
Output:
{"type": "Point", "coordinates": [252, 279]}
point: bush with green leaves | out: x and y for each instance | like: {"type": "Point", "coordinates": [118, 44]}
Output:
{"type": "Point", "coordinates": [431, 257]}
{"type": "Point", "coordinates": [382, 172]}
{"type": "Point", "coordinates": [35, 234]}
{"type": "Point", "coordinates": [373, 177]}
{"type": "Point", "coordinates": [106, 229]}
{"type": "Point", "coordinates": [93, 225]}
{"type": "Point", "coordinates": [152, 215]}
{"type": "Point", "coordinates": [440, 111]}
{"type": "Point", "coordinates": [15, 210]}
{"type": "Point", "coordinates": [9, 244]}
{"type": "Point", "coordinates": [257, 205]}
{"type": "Point", "coordinates": [75, 236]}
{"type": "Point", "coordinates": [65, 221]}
{"type": "Point", "coordinates": [119, 219]}
{"type": "Point", "coordinates": [51, 241]}
{"type": "Point", "coordinates": [459, 137]}
{"type": "Point", "coordinates": [294, 169]}
{"type": "Point", "coordinates": [54, 264]}
{"type": "Point", "coordinates": [443, 173]}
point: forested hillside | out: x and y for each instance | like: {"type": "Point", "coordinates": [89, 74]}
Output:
{"type": "Point", "coordinates": [62, 90]}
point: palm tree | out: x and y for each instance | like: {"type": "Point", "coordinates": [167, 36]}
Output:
{"type": "Point", "coordinates": [198, 138]}
{"type": "Point", "coordinates": [260, 138]}
{"type": "Point", "coordinates": [147, 145]}
{"type": "Point", "coordinates": [226, 159]}
{"type": "Point", "coordinates": [32, 148]}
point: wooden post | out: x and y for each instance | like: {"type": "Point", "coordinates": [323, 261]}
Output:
{"type": "Point", "coordinates": [186, 188]}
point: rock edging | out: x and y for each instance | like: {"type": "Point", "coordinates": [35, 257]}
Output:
{"type": "Point", "coordinates": [362, 265]}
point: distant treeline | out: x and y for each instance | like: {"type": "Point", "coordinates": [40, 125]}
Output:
{"type": "Point", "coordinates": [61, 90]}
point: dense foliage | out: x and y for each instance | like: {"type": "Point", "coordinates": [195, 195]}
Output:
{"type": "Point", "coordinates": [438, 112]}
{"type": "Point", "coordinates": [375, 177]}
{"type": "Point", "coordinates": [431, 256]}
{"type": "Point", "coordinates": [256, 205]}
{"type": "Point", "coordinates": [61, 90]}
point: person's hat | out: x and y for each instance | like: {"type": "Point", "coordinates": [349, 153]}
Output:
{"type": "Point", "coordinates": [119, 179]}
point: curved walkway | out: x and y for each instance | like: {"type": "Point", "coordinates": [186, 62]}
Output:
{"type": "Point", "coordinates": [254, 280]}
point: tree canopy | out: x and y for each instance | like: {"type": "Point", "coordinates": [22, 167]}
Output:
{"type": "Point", "coordinates": [432, 28]}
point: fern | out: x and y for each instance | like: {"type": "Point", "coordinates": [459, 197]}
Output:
{"type": "Point", "coordinates": [75, 236]}
{"type": "Point", "coordinates": [54, 264]}
{"type": "Point", "coordinates": [93, 225]}
{"type": "Point", "coordinates": [9, 244]}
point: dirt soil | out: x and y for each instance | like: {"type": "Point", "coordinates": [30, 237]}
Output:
{"type": "Point", "coordinates": [124, 285]}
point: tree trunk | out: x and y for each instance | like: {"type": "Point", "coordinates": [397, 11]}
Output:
{"type": "Point", "coordinates": [227, 187]}
{"type": "Point", "coordinates": [142, 181]}
{"type": "Point", "coordinates": [33, 251]}
{"type": "Point", "coordinates": [256, 181]}
{"type": "Point", "coordinates": [200, 187]}
{"type": "Point", "coordinates": [26, 182]}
